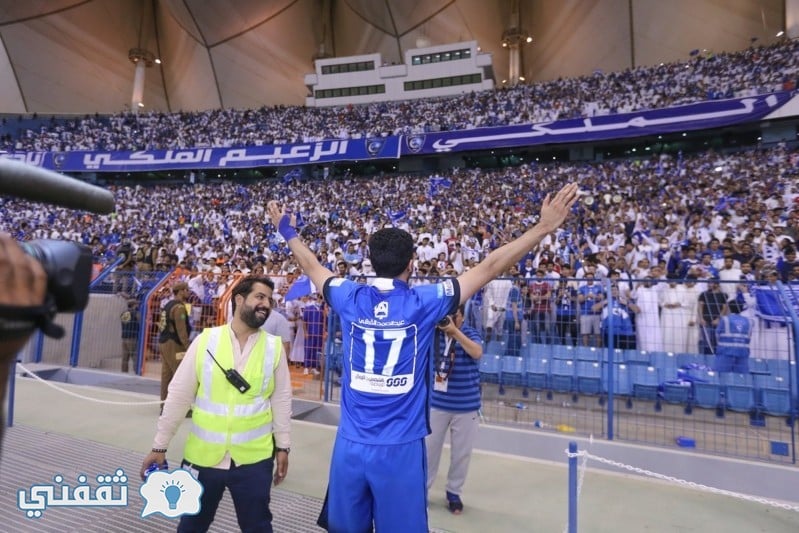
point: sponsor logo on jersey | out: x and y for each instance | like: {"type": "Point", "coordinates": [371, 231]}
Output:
{"type": "Point", "coordinates": [379, 384]}
{"type": "Point", "coordinates": [449, 288]}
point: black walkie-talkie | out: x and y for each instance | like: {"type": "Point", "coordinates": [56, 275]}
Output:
{"type": "Point", "coordinates": [233, 376]}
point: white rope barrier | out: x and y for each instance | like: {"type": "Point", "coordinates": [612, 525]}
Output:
{"type": "Point", "coordinates": [677, 481]}
{"type": "Point", "coordinates": [82, 397]}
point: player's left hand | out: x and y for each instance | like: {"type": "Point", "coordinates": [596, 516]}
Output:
{"type": "Point", "coordinates": [555, 209]}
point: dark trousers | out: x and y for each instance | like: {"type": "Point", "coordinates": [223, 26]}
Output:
{"type": "Point", "coordinates": [129, 349]}
{"type": "Point", "coordinates": [621, 342]}
{"type": "Point", "coordinates": [169, 364]}
{"type": "Point", "coordinates": [566, 328]}
{"type": "Point", "coordinates": [249, 487]}
{"type": "Point", "coordinates": [707, 340]}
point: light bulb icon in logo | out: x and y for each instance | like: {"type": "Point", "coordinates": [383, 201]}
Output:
{"type": "Point", "coordinates": [172, 493]}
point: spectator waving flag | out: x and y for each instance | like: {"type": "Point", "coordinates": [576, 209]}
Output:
{"type": "Point", "coordinates": [437, 183]}
{"type": "Point", "coordinates": [396, 216]}
{"type": "Point", "coordinates": [301, 287]}
{"type": "Point", "coordinates": [772, 305]}
{"type": "Point", "coordinates": [291, 175]}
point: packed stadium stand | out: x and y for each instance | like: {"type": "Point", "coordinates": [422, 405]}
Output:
{"type": "Point", "coordinates": [670, 222]}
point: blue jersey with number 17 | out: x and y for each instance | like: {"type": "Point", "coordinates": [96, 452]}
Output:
{"type": "Point", "coordinates": [386, 332]}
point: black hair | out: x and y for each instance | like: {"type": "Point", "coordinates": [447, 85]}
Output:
{"type": "Point", "coordinates": [390, 249]}
{"type": "Point", "coordinates": [244, 287]}
{"type": "Point", "coordinates": [733, 306]}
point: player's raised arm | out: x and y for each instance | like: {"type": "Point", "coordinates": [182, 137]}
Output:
{"type": "Point", "coordinates": [553, 213]}
{"type": "Point", "coordinates": [305, 257]}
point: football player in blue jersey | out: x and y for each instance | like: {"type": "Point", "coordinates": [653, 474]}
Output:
{"type": "Point", "coordinates": [378, 472]}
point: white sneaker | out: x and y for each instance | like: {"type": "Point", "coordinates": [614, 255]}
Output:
{"type": "Point", "coordinates": [315, 372]}
{"type": "Point", "coordinates": [305, 371]}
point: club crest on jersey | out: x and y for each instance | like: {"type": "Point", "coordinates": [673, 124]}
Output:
{"type": "Point", "coordinates": [373, 146]}
{"type": "Point", "coordinates": [415, 143]}
{"type": "Point", "coordinates": [381, 311]}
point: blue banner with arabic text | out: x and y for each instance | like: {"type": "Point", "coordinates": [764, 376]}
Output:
{"type": "Point", "coordinates": [214, 158]}
{"type": "Point", "coordinates": [704, 115]}
{"type": "Point", "coordinates": [700, 116]}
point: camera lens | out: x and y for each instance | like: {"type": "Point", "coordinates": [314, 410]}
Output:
{"type": "Point", "coordinates": [68, 266]}
{"type": "Point", "coordinates": [443, 322]}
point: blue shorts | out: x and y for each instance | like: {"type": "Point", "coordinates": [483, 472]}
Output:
{"type": "Point", "coordinates": [381, 485]}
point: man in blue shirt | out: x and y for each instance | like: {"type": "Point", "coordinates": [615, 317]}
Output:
{"type": "Point", "coordinates": [617, 320]}
{"type": "Point", "coordinates": [378, 472]}
{"type": "Point", "coordinates": [732, 337]}
{"type": "Point", "coordinates": [566, 313]}
{"type": "Point", "coordinates": [588, 296]}
{"type": "Point", "coordinates": [455, 403]}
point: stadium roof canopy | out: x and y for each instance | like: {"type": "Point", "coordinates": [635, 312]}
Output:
{"type": "Point", "coordinates": [72, 56]}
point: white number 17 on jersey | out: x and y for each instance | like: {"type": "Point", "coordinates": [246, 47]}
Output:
{"type": "Point", "coordinates": [383, 346]}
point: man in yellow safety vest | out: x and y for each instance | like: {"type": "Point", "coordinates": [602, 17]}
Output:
{"type": "Point", "coordinates": [236, 379]}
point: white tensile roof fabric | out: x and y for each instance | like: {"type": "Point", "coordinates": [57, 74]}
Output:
{"type": "Point", "coordinates": [71, 56]}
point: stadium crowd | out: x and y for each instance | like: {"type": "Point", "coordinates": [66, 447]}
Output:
{"type": "Point", "coordinates": [705, 76]}
{"type": "Point", "coordinates": [658, 217]}
{"type": "Point", "coordinates": [656, 209]}
{"type": "Point", "coordinates": [650, 224]}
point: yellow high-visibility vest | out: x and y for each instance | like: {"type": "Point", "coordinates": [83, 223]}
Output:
{"type": "Point", "coordinates": [224, 419]}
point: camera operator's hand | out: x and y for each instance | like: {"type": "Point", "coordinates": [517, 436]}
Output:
{"type": "Point", "coordinates": [23, 283]}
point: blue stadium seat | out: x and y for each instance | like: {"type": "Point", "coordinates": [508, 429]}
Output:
{"type": "Point", "coordinates": [708, 390]}
{"type": "Point", "coordinates": [775, 395]}
{"type": "Point", "coordinates": [536, 373]}
{"type": "Point", "coordinates": [618, 356]}
{"type": "Point", "coordinates": [512, 374]}
{"type": "Point", "coordinates": [637, 357]}
{"type": "Point", "coordinates": [562, 375]}
{"type": "Point", "coordinates": [494, 347]}
{"type": "Point", "coordinates": [691, 359]}
{"type": "Point", "coordinates": [538, 350]}
{"type": "Point", "coordinates": [739, 391]}
{"type": "Point", "coordinates": [621, 381]}
{"type": "Point", "coordinates": [644, 381]}
{"type": "Point", "coordinates": [787, 371]}
{"type": "Point", "coordinates": [490, 368]}
{"type": "Point", "coordinates": [587, 353]}
{"type": "Point", "coordinates": [758, 366]}
{"type": "Point", "coordinates": [589, 377]}
{"type": "Point", "coordinates": [563, 352]}
{"type": "Point", "coordinates": [780, 367]}
{"type": "Point", "coordinates": [666, 363]}
{"type": "Point", "coordinates": [677, 392]}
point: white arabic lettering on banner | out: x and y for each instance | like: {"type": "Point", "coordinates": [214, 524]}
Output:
{"type": "Point", "coordinates": [638, 121]}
